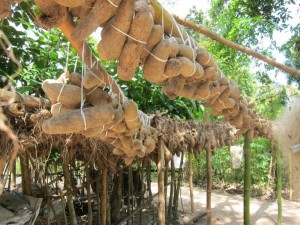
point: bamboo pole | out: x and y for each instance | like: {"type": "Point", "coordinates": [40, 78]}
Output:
{"type": "Point", "coordinates": [191, 182]}
{"type": "Point", "coordinates": [161, 185]}
{"type": "Point", "coordinates": [279, 184]}
{"type": "Point", "coordinates": [209, 184]}
{"type": "Point", "coordinates": [247, 179]}
{"type": "Point", "coordinates": [104, 196]}
{"type": "Point", "coordinates": [68, 187]}
{"type": "Point", "coordinates": [29, 101]}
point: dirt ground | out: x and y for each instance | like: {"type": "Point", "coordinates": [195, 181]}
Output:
{"type": "Point", "coordinates": [228, 208]}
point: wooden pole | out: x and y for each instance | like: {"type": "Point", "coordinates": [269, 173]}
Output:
{"type": "Point", "coordinates": [209, 184]}
{"type": "Point", "coordinates": [88, 192]}
{"type": "Point", "coordinates": [203, 30]}
{"type": "Point", "coordinates": [191, 182]}
{"type": "Point", "coordinates": [279, 184]}
{"type": "Point", "coordinates": [26, 174]}
{"type": "Point", "coordinates": [103, 195]}
{"type": "Point", "coordinates": [161, 185]}
{"type": "Point", "coordinates": [171, 190]}
{"type": "Point", "coordinates": [247, 179]}
{"type": "Point", "coordinates": [29, 101]}
{"type": "Point", "coordinates": [68, 187]}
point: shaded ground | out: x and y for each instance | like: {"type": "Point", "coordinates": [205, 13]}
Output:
{"type": "Point", "coordinates": [228, 208]}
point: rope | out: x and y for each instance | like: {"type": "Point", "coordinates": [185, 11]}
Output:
{"type": "Point", "coordinates": [122, 32]}
{"type": "Point", "coordinates": [113, 4]}
{"type": "Point", "coordinates": [134, 118]}
{"type": "Point", "coordinates": [159, 59]}
{"type": "Point", "coordinates": [81, 90]}
{"type": "Point", "coordinates": [60, 92]}
{"type": "Point", "coordinates": [208, 59]}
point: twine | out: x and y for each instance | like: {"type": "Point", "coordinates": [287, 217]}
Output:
{"type": "Point", "coordinates": [133, 118]}
{"type": "Point", "coordinates": [113, 4]}
{"type": "Point", "coordinates": [60, 92]}
{"type": "Point", "coordinates": [81, 90]}
{"type": "Point", "coordinates": [159, 59]}
{"type": "Point", "coordinates": [122, 32]}
{"type": "Point", "coordinates": [208, 59]}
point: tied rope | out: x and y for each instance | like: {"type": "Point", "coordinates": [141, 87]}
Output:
{"type": "Point", "coordinates": [81, 90]}
{"type": "Point", "coordinates": [122, 32]}
{"type": "Point", "coordinates": [113, 4]}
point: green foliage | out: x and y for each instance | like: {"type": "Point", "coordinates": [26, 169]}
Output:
{"type": "Point", "coordinates": [223, 173]}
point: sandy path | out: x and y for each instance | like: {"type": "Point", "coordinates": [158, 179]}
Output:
{"type": "Point", "coordinates": [228, 209]}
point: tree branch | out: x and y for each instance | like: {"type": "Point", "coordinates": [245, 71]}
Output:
{"type": "Point", "coordinates": [203, 30]}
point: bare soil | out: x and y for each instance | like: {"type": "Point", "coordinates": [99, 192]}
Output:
{"type": "Point", "coordinates": [228, 208]}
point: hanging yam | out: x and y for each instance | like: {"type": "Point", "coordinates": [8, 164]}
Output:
{"type": "Point", "coordinates": [214, 88]}
{"type": "Point", "coordinates": [140, 30]}
{"type": "Point", "coordinates": [63, 77]}
{"type": "Point", "coordinates": [198, 74]}
{"type": "Point", "coordinates": [187, 51]}
{"type": "Point", "coordinates": [117, 151]}
{"type": "Point", "coordinates": [131, 116]}
{"type": "Point", "coordinates": [211, 73]}
{"type": "Point", "coordinates": [75, 78]}
{"type": "Point", "coordinates": [98, 96]}
{"type": "Point", "coordinates": [101, 12]}
{"type": "Point", "coordinates": [202, 92]}
{"type": "Point", "coordinates": [111, 44]}
{"type": "Point", "coordinates": [188, 91]}
{"type": "Point", "coordinates": [70, 3]}
{"type": "Point", "coordinates": [204, 58]}
{"type": "Point", "coordinates": [141, 152]}
{"type": "Point", "coordinates": [188, 68]}
{"type": "Point", "coordinates": [172, 68]}
{"type": "Point", "coordinates": [66, 94]}
{"type": "Point", "coordinates": [52, 14]}
{"type": "Point", "coordinates": [59, 108]}
{"type": "Point", "coordinates": [128, 160]}
{"type": "Point", "coordinates": [155, 64]}
{"type": "Point", "coordinates": [82, 10]}
{"type": "Point", "coordinates": [149, 144]}
{"type": "Point", "coordinates": [92, 78]}
{"type": "Point", "coordinates": [155, 37]}
{"type": "Point", "coordinates": [191, 41]}
{"type": "Point", "coordinates": [227, 103]}
{"type": "Point", "coordinates": [173, 87]}
{"type": "Point", "coordinates": [234, 90]}
{"type": "Point", "coordinates": [73, 121]}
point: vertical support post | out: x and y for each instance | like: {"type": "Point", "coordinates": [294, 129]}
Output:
{"type": "Point", "coordinates": [88, 190]}
{"type": "Point", "coordinates": [26, 174]}
{"type": "Point", "coordinates": [191, 182]}
{"type": "Point", "coordinates": [209, 183]}
{"type": "Point", "coordinates": [247, 178]}
{"type": "Point", "coordinates": [279, 184]}
{"type": "Point", "coordinates": [103, 196]}
{"type": "Point", "coordinates": [161, 185]}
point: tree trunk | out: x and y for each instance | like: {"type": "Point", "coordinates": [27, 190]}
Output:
{"type": "Point", "coordinates": [161, 185]}
{"type": "Point", "coordinates": [68, 187]}
{"type": "Point", "coordinates": [209, 184]}
{"type": "Point", "coordinates": [279, 184]}
{"type": "Point", "coordinates": [247, 179]}
{"type": "Point", "coordinates": [26, 174]}
{"type": "Point", "coordinates": [171, 190]}
{"type": "Point", "coordinates": [103, 196]}
{"type": "Point", "coordinates": [191, 182]}
{"type": "Point", "coordinates": [88, 191]}
{"type": "Point", "coordinates": [116, 197]}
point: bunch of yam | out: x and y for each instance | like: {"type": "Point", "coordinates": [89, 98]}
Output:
{"type": "Point", "coordinates": [178, 65]}
{"type": "Point", "coordinates": [81, 105]}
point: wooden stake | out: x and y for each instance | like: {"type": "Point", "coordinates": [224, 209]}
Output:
{"type": "Point", "coordinates": [191, 182]}
{"type": "Point", "coordinates": [88, 192]}
{"type": "Point", "coordinates": [26, 174]}
{"type": "Point", "coordinates": [209, 184]}
{"type": "Point", "coordinates": [103, 196]}
{"type": "Point", "coordinates": [247, 179]}
{"type": "Point", "coordinates": [161, 185]}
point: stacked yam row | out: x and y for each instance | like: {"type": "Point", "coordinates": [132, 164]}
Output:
{"type": "Point", "coordinates": [102, 116]}
{"type": "Point", "coordinates": [179, 66]}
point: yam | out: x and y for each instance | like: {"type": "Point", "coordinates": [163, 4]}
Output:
{"type": "Point", "coordinates": [155, 64]}
{"type": "Point", "coordinates": [149, 144]}
{"type": "Point", "coordinates": [187, 51]}
{"type": "Point", "coordinates": [117, 151]}
{"type": "Point", "coordinates": [155, 37]}
{"type": "Point", "coordinates": [172, 68]}
{"type": "Point", "coordinates": [141, 152]}
{"type": "Point", "coordinates": [131, 116]}
{"type": "Point", "coordinates": [211, 73]}
{"type": "Point", "coordinates": [75, 78]}
{"type": "Point", "coordinates": [83, 10]}
{"type": "Point", "coordinates": [202, 92]}
{"type": "Point", "coordinates": [59, 108]}
{"type": "Point", "coordinates": [187, 68]}
{"type": "Point", "coordinates": [234, 90]}
{"type": "Point", "coordinates": [188, 91]}
{"type": "Point", "coordinates": [92, 78]}
{"type": "Point", "coordinates": [5, 9]}
{"type": "Point", "coordinates": [227, 103]}
{"type": "Point", "coordinates": [173, 87]}
{"type": "Point", "coordinates": [128, 160]}
{"type": "Point", "coordinates": [66, 94]}
{"type": "Point", "coordinates": [95, 131]}
{"type": "Point", "coordinates": [140, 30]}
{"type": "Point", "coordinates": [70, 3]}
{"type": "Point", "coordinates": [63, 77]}
{"type": "Point", "coordinates": [111, 44]}
{"type": "Point", "coordinates": [204, 58]}
{"type": "Point", "coordinates": [52, 14]}
{"type": "Point", "coordinates": [98, 96]}
{"type": "Point", "coordinates": [73, 121]}
{"type": "Point", "coordinates": [101, 12]}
